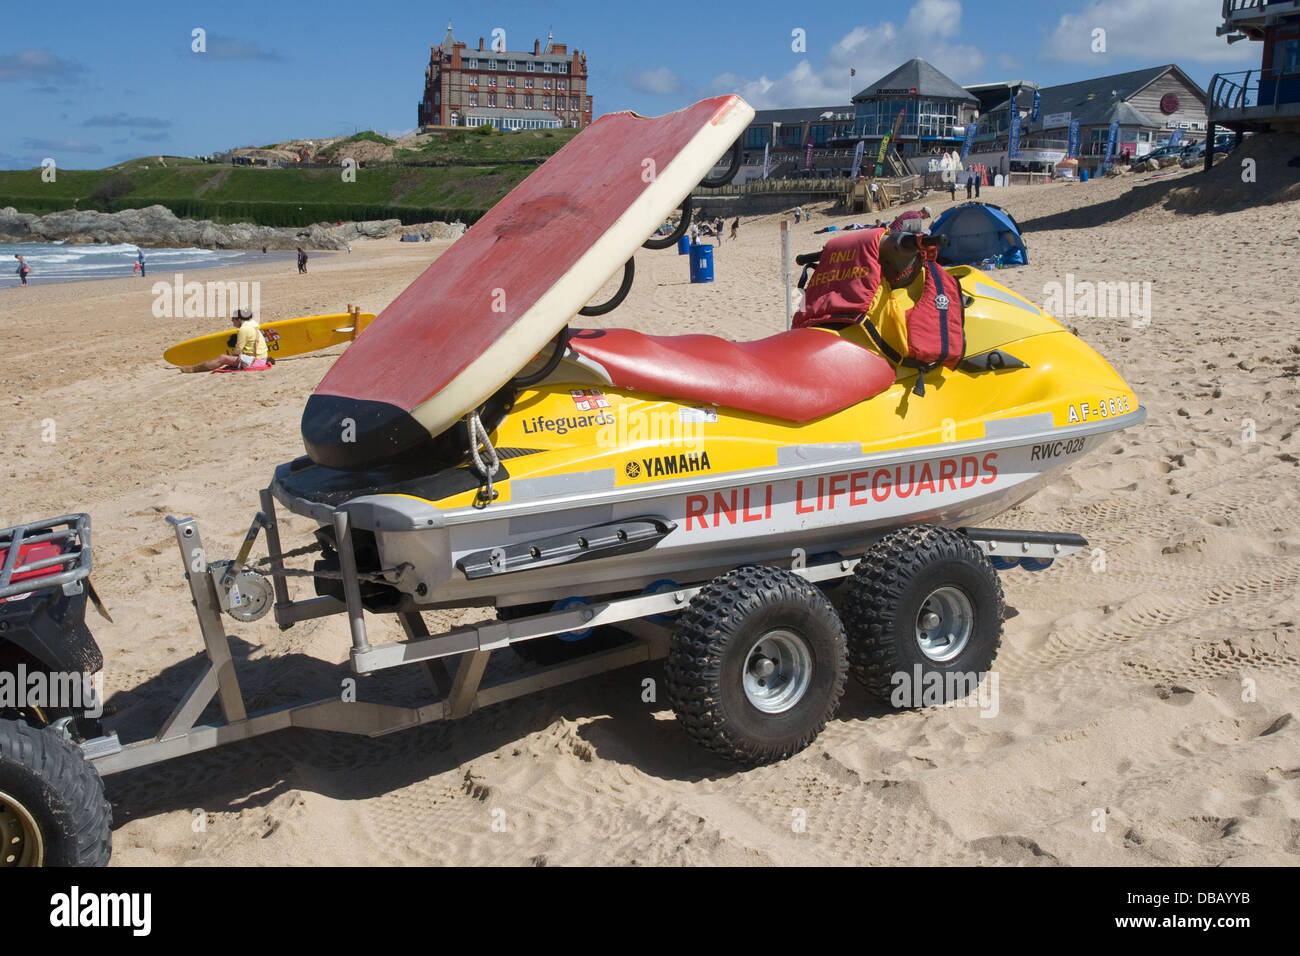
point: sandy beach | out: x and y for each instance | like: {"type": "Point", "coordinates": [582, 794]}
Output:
{"type": "Point", "coordinates": [1148, 689]}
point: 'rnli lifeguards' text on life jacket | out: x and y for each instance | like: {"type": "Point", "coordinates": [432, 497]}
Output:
{"type": "Point", "coordinates": [919, 325]}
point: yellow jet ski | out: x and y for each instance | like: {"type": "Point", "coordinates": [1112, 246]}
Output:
{"type": "Point", "coordinates": [472, 449]}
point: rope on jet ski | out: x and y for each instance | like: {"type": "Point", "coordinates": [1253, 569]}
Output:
{"type": "Point", "coordinates": [478, 435]}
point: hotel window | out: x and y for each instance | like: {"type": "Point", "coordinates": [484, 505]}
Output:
{"type": "Point", "coordinates": [561, 85]}
{"type": "Point", "coordinates": [473, 80]}
{"type": "Point", "coordinates": [473, 99]}
{"type": "Point", "coordinates": [562, 68]}
{"type": "Point", "coordinates": [510, 82]}
{"type": "Point", "coordinates": [546, 67]}
{"type": "Point", "coordinates": [510, 101]}
{"type": "Point", "coordinates": [511, 65]}
{"type": "Point", "coordinates": [492, 81]}
{"type": "Point", "coordinates": [492, 64]}
{"type": "Point", "coordinates": [546, 102]}
{"type": "Point", "coordinates": [546, 84]}
{"type": "Point", "coordinates": [471, 64]}
{"type": "Point", "coordinates": [528, 101]}
{"type": "Point", "coordinates": [532, 67]}
{"type": "Point", "coordinates": [492, 99]}
{"type": "Point", "coordinates": [528, 83]}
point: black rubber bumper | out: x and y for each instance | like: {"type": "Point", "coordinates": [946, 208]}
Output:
{"type": "Point", "coordinates": [353, 434]}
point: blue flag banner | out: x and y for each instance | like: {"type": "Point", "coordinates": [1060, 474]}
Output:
{"type": "Point", "coordinates": [1072, 150]}
{"type": "Point", "coordinates": [808, 157]}
{"type": "Point", "coordinates": [1111, 140]}
{"type": "Point", "coordinates": [1013, 144]}
{"type": "Point", "coordinates": [767, 159]}
{"type": "Point", "coordinates": [857, 159]}
{"type": "Point", "coordinates": [1038, 99]}
{"type": "Point", "coordinates": [969, 141]}
{"type": "Point", "coordinates": [1176, 137]}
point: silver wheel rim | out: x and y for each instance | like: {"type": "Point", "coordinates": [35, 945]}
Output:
{"type": "Point", "coordinates": [20, 837]}
{"type": "Point", "coordinates": [944, 623]}
{"type": "Point", "coordinates": [778, 670]}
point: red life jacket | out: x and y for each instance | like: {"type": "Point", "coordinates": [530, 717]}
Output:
{"type": "Point", "coordinates": [845, 283]}
{"type": "Point", "coordinates": [846, 287]}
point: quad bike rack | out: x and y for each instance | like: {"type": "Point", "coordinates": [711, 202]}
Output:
{"type": "Point", "coordinates": [457, 692]}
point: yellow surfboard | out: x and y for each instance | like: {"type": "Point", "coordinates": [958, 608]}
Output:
{"type": "Point", "coordinates": [284, 337]}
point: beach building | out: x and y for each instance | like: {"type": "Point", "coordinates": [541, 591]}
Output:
{"type": "Point", "coordinates": [783, 136]}
{"type": "Point", "coordinates": [934, 111]}
{"type": "Point", "coordinates": [1267, 98]}
{"type": "Point", "coordinates": [1149, 104]}
{"type": "Point", "coordinates": [544, 89]}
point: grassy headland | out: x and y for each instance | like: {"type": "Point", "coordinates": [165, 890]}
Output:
{"type": "Point", "coordinates": [446, 175]}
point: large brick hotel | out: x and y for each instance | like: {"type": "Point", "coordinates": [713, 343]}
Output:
{"type": "Point", "coordinates": [544, 89]}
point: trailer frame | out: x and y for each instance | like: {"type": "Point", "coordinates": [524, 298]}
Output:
{"type": "Point", "coordinates": [456, 692]}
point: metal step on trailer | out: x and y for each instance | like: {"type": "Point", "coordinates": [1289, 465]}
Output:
{"type": "Point", "coordinates": [1025, 544]}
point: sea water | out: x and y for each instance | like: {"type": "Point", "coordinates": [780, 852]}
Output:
{"type": "Point", "coordinates": [57, 262]}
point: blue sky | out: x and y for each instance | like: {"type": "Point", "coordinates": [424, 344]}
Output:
{"type": "Point", "coordinates": [90, 84]}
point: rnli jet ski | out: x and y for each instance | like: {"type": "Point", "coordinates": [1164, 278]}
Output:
{"type": "Point", "coordinates": [476, 446]}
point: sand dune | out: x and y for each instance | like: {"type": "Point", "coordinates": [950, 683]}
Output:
{"type": "Point", "coordinates": [1150, 685]}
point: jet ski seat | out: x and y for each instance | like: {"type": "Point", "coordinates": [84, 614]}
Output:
{"type": "Point", "coordinates": [794, 376]}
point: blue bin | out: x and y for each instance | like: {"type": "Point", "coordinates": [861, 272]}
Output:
{"type": "Point", "coordinates": [701, 263]}
{"type": "Point", "coordinates": [684, 246]}
{"type": "Point", "coordinates": [1083, 175]}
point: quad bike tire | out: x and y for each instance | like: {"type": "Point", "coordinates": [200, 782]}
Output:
{"type": "Point", "coordinates": [757, 665]}
{"type": "Point", "coordinates": [53, 811]}
{"type": "Point", "coordinates": [922, 597]}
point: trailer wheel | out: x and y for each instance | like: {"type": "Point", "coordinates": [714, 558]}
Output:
{"type": "Point", "coordinates": [757, 665]}
{"type": "Point", "coordinates": [52, 806]}
{"type": "Point", "coordinates": [923, 601]}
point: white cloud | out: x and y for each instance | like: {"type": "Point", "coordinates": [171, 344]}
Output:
{"type": "Point", "coordinates": [38, 65]}
{"type": "Point", "coordinates": [1155, 31]}
{"type": "Point", "coordinates": [872, 51]}
{"type": "Point", "coordinates": [660, 80]}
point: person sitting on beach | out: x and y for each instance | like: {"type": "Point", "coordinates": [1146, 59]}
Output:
{"type": "Point", "coordinates": [912, 221]}
{"type": "Point", "coordinates": [249, 347]}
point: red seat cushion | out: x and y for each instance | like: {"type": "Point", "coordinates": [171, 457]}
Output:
{"type": "Point", "coordinates": [795, 376]}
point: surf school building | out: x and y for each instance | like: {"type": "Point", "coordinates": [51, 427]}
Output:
{"type": "Point", "coordinates": [1150, 105]}
{"type": "Point", "coordinates": [920, 108]}
{"type": "Point", "coordinates": [544, 89]}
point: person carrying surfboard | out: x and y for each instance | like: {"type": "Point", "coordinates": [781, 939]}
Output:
{"type": "Point", "coordinates": [249, 347]}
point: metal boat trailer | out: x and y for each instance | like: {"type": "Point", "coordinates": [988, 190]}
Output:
{"type": "Point", "coordinates": [459, 691]}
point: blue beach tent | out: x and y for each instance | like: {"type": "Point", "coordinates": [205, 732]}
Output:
{"type": "Point", "coordinates": [978, 232]}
